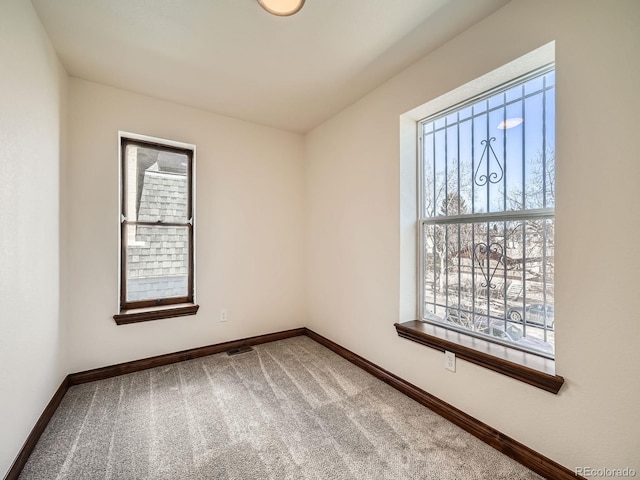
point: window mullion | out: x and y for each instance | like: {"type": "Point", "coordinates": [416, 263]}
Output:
{"type": "Point", "coordinates": [539, 213]}
{"type": "Point", "coordinates": [158, 224]}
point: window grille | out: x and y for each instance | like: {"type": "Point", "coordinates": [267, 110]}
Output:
{"type": "Point", "coordinates": [487, 216]}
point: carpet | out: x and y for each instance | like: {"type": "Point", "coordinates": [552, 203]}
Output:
{"type": "Point", "coordinates": [290, 409]}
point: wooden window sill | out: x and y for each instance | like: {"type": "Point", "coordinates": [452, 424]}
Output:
{"type": "Point", "coordinates": [155, 313]}
{"type": "Point", "coordinates": [526, 367]}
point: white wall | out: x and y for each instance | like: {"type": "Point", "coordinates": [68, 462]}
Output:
{"type": "Point", "coordinates": [32, 110]}
{"type": "Point", "coordinates": [249, 227]}
{"type": "Point", "coordinates": [353, 229]}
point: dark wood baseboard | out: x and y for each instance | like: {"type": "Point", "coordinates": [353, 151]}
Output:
{"type": "Point", "coordinates": [161, 360]}
{"type": "Point", "coordinates": [507, 445]}
{"type": "Point", "coordinates": [22, 457]}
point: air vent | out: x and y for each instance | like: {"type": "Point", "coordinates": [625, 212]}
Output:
{"type": "Point", "coordinates": [238, 351]}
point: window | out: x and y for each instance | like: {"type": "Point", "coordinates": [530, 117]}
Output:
{"type": "Point", "coordinates": [156, 230]}
{"type": "Point", "coordinates": [486, 208]}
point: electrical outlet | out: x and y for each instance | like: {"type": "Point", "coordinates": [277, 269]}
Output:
{"type": "Point", "coordinates": [450, 361]}
{"type": "Point", "coordinates": [223, 315]}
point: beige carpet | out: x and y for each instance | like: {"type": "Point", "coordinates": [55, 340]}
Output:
{"type": "Point", "coordinates": [290, 409]}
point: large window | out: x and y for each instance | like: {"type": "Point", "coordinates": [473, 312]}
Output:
{"type": "Point", "coordinates": [156, 225]}
{"type": "Point", "coordinates": [486, 203]}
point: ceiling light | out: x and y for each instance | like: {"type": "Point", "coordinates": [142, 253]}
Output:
{"type": "Point", "coordinates": [510, 123]}
{"type": "Point", "coordinates": [282, 8]}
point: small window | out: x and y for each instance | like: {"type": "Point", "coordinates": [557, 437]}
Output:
{"type": "Point", "coordinates": [156, 225]}
{"type": "Point", "coordinates": [487, 217]}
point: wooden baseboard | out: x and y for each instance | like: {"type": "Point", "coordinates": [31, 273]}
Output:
{"type": "Point", "coordinates": [508, 446]}
{"type": "Point", "coordinates": [161, 360]}
{"type": "Point", "coordinates": [501, 442]}
{"type": "Point", "coordinates": [22, 457]}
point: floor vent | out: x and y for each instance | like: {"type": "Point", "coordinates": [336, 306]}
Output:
{"type": "Point", "coordinates": [238, 351]}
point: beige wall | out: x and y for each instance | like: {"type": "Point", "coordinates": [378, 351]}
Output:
{"type": "Point", "coordinates": [249, 221]}
{"type": "Point", "coordinates": [32, 109]}
{"type": "Point", "coordinates": [283, 243]}
{"type": "Point", "coordinates": [354, 243]}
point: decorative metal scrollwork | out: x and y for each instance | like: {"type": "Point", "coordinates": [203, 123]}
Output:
{"type": "Point", "coordinates": [483, 255]}
{"type": "Point", "coordinates": [491, 176]}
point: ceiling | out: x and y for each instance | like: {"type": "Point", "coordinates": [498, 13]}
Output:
{"type": "Point", "coordinates": [233, 58]}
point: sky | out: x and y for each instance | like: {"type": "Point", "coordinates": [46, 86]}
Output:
{"type": "Point", "coordinates": [469, 144]}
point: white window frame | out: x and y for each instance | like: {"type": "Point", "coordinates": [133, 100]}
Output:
{"type": "Point", "coordinates": [425, 222]}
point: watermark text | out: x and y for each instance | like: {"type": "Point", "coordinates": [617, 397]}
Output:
{"type": "Point", "coordinates": [605, 472]}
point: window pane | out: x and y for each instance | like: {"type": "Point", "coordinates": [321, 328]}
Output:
{"type": "Point", "coordinates": [533, 85]}
{"type": "Point", "coordinates": [440, 171]}
{"type": "Point", "coordinates": [493, 278]}
{"type": "Point", "coordinates": [501, 159]}
{"type": "Point", "coordinates": [432, 234]}
{"type": "Point", "coordinates": [483, 163]}
{"type": "Point", "coordinates": [452, 198]}
{"type": "Point", "coordinates": [514, 157]}
{"type": "Point", "coordinates": [428, 164]}
{"type": "Point", "coordinates": [550, 148]}
{"type": "Point", "coordinates": [157, 262]}
{"type": "Point", "coordinates": [534, 148]}
{"type": "Point", "coordinates": [466, 167]}
{"type": "Point", "coordinates": [156, 185]}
